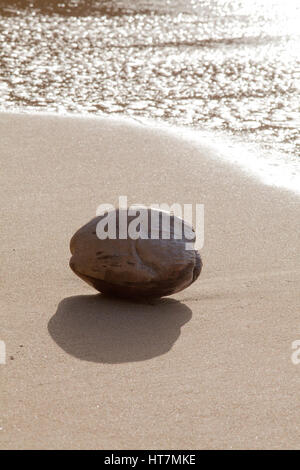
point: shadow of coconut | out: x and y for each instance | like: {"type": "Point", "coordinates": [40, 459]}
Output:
{"type": "Point", "coordinates": [100, 329]}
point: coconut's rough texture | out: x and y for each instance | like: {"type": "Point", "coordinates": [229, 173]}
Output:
{"type": "Point", "coordinates": [134, 267]}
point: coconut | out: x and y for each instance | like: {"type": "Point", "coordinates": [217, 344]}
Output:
{"type": "Point", "coordinates": [128, 255]}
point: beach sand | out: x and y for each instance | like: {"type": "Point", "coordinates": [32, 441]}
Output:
{"type": "Point", "coordinates": [209, 367]}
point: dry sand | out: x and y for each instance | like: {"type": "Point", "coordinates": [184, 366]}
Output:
{"type": "Point", "coordinates": [210, 367]}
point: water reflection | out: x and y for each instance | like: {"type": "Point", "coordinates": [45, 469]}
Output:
{"type": "Point", "coordinates": [222, 65]}
{"type": "Point", "coordinates": [95, 7]}
{"type": "Point", "coordinates": [66, 8]}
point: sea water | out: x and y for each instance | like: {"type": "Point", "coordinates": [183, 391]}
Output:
{"type": "Point", "coordinates": [228, 70]}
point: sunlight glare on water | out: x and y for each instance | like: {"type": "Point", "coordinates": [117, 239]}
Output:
{"type": "Point", "coordinates": [228, 67]}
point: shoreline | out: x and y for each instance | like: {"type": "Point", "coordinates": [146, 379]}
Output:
{"type": "Point", "coordinates": [210, 367]}
{"type": "Point", "coordinates": [271, 167]}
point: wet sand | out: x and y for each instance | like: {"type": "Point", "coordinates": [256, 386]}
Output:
{"type": "Point", "coordinates": [209, 367]}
